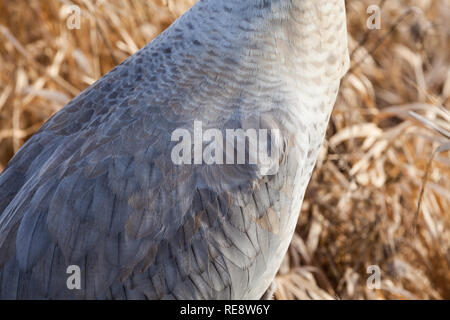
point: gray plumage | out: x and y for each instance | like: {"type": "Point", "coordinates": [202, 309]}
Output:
{"type": "Point", "coordinates": [96, 187]}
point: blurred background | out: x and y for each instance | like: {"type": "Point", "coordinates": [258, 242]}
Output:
{"type": "Point", "coordinates": [378, 205]}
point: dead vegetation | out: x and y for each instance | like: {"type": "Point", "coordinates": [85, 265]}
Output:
{"type": "Point", "coordinates": [389, 134]}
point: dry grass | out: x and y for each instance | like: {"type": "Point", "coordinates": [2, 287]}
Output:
{"type": "Point", "coordinates": [389, 133]}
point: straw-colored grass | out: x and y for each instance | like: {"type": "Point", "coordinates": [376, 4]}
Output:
{"type": "Point", "coordinates": [388, 135]}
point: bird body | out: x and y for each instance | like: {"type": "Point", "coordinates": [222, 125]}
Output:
{"type": "Point", "coordinates": [95, 187]}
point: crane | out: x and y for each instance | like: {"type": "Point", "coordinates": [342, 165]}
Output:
{"type": "Point", "coordinates": [110, 187]}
